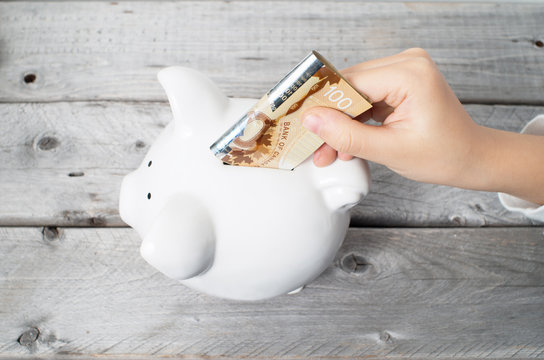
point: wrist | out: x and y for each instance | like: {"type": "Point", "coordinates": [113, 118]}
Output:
{"type": "Point", "coordinates": [508, 162]}
{"type": "Point", "coordinates": [477, 171]}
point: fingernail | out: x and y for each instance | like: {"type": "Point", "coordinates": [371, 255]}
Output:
{"type": "Point", "coordinates": [311, 122]}
{"type": "Point", "coordinates": [317, 156]}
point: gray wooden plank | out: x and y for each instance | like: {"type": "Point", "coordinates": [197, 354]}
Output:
{"type": "Point", "coordinates": [448, 293]}
{"type": "Point", "coordinates": [62, 164]}
{"type": "Point", "coordinates": [376, 1]}
{"type": "Point", "coordinates": [490, 53]}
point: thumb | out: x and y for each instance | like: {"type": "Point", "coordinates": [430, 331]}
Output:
{"type": "Point", "coordinates": [345, 134]}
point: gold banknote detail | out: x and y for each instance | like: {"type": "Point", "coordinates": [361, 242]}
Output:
{"type": "Point", "coordinates": [275, 138]}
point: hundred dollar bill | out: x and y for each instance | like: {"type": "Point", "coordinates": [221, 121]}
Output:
{"type": "Point", "coordinates": [271, 133]}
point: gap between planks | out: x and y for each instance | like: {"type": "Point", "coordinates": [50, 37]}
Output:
{"type": "Point", "coordinates": [100, 57]}
{"type": "Point", "coordinates": [43, 144]}
{"type": "Point", "coordinates": [420, 293]}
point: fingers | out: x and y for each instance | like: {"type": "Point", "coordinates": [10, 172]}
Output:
{"type": "Point", "coordinates": [385, 83]}
{"type": "Point", "coordinates": [387, 79]}
{"type": "Point", "coordinates": [379, 112]}
{"type": "Point", "coordinates": [344, 156]}
{"type": "Point", "coordinates": [392, 83]}
{"type": "Point", "coordinates": [347, 136]}
{"type": "Point", "coordinates": [388, 82]}
{"type": "Point", "coordinates": [324, 156]}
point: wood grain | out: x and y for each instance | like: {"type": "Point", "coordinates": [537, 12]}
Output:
{"type": "Point", "coordinates": [112, 50]}
{"type": "Point", "coordinates": [445, 293]}
{"type": "Point", "coordinates": [62, 164]}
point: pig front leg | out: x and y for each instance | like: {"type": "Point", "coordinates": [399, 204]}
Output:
{"type": "Point", "coordinates": [181, 241]}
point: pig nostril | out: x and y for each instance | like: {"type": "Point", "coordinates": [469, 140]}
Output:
{"type": "Point", "coordinates": [148, 196]}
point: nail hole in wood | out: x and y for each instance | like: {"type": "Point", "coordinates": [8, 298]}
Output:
{"type": "Point", "coordinates": [148, 196]}
{"type": "Point", "coordinates": [539, 43]}
{"type": "Point", "coordinates": [29, 78]}
{"type": "Point", "coordinates": [386, 337]}
{"type": "Point", "coordinates": [29, 337]}
{"type": "Point", "coordinates": [140, 144]}
{"type": "Point", "coordinates": [76, 174]}
{"type": "Point", "coordinates": [50, 233]}
{"type": "Point", "coordinates": [97, 221]}
{"type": "Point", "coordinates": [47, 143]}
{"type": "Point", "coordinates": [354, 264]}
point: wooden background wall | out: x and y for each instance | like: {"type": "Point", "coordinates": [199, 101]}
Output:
{"type": "Point", "coordinates": [418, 276]}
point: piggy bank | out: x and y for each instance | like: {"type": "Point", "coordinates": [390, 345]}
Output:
{"type": "Point", "coordinates": [234, 232]}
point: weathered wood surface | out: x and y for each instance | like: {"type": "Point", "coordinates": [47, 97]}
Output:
{"type": "Point", "coordinates": [62, 164]}
{"type": "Point", "coordinates": [490, 53]}
{"type": "Point", "coordinates": [80, 106]}
{"type": "Point", "coordinates": [448, 293]}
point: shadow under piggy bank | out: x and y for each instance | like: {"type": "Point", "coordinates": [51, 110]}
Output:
{"type": "Point", "coordinates": [229, 231]}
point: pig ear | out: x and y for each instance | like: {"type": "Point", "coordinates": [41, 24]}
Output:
{"type": "Point", "coordinates": [343, 183]}
{"type": "Point", "coordinates": [193, 97]}
{"type": "Point", "coordinates": [181, 242]}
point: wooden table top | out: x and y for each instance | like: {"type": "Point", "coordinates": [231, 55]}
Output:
{"type": "Point", "coordinates": [426, 271]}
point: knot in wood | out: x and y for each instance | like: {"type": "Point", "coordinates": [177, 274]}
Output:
{"type": "Point", "coordinates": [139, 144]}
{"type": "Point", "coordinates": [29, 78]}
{"type": "Point", "coordinates": [354, 264]}
{"type": "Point", "coordinates": [47, 143]}
{"type": "Point", "coordinates": [386, 337]}
{"type": "Point", "coordinates": [50, 233]}
{"type": "Point", "coordinates": [539, 43]}
{"type": "Point", "coordinates": [29, 337]}
{"type": "Point", "coordinates": [458, 220]}
{"type": "Point", "coordinates": [97, 221]}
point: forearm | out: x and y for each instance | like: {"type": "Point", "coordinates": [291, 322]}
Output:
{"type": "Point", "coordinates": [511, 163]}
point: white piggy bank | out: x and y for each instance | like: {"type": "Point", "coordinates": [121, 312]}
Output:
{"type": "Point", "coordinates": [229, 231]}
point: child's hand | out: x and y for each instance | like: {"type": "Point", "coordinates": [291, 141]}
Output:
{"type": "Point", "coordinates": [426, 134]}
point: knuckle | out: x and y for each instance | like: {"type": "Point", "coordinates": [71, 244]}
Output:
{"type": "Point", "coordinates": [342, 140]}
{"type": "Point", "coordinates": [418, 52]}
{"type": "Point", "coordinates": [350, 77]}
{"type": "Point", "coordinates": [349, 143]}
{"type": "Point", "coordinates": [421, 67]}
{"type": "Point", "coordinates": [424, 64]}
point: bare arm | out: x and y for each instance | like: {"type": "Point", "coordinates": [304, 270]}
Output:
{"type": "Point", "coordinates": [425, 132]}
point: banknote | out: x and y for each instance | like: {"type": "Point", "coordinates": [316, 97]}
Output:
{"type": "Point", "coordinates": [271, 134]}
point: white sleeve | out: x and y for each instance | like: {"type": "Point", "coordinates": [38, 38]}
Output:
{"type": "Point", "coordinates": [512, 203]}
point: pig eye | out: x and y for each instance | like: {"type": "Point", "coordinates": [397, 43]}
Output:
{"type": "Point", "coordinates": [149, 165]}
